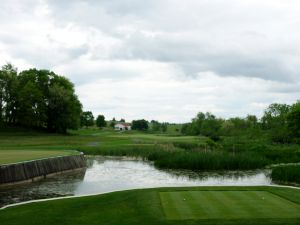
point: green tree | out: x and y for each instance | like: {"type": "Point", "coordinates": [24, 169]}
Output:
{"type": "Point", "coordinates": [275, 120]}
{"type": "Point", "coordinates": [8, 93]}
{"type": "Point", "coordinates": [158, 127]}
{"type": "Point", "coordinates": [100, 121]}
{"type": "Point", "coordinates": [211, 126]}
{"type": "Point", "coordinates": [64, 109]}
{"type": "Point", "coordinates": [87, 119]}
{"type": "Point", "coordinates": [293, 121]}
{"type": "Point", "coordinates": [140, 125]}
{"type": "Point", "coordinates": [38, 98]}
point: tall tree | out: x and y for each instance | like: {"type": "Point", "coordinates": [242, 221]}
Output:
{"type": "Point", "coordinates": [293, 121]}
{"type": "Point", "coordinates": [87, 119]}
{"type": "Point", "coordinates": [275, 120]}
{"type": "Point", "coordinates": [8, 93]}
{"type": "Point", "coordinates": [38, 98]}
{"type": "Point", "coordinates": [100, 121]}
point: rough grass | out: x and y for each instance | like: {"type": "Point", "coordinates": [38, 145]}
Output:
{"type": "Point", "coordinates": [167, 151]}
{"type": "Point", "coordinates": [289, 174]}
{"type": "Point", "coordinates": [244, 206]}
{"type": "Point", "coordinates": [211, 161]}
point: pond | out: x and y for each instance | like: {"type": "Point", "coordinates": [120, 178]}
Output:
{"type": "Point", "coordinates": [105, 174]}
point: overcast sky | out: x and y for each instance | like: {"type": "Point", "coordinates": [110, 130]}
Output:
{"type": "Point", "coordinates": [161, 59]}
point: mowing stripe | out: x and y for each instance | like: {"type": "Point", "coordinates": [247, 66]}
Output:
{"type": "Point", "coordinates": [189, 204]}
{"type": "Point", "coordinates": [197, 205]}
{"type": "Point", "coordinates": [183, 205]}
{"type": "Point", "coordinates": [232, 205]}
{"type": "Point", "coordinates": [169, 205]}
{"type": "Point", "coordinates": [245, 204]}
{"type": "Point", "coordinates": [287, 210]}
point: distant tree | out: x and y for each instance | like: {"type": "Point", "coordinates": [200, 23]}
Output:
{"type": "Point", "coordinates": [155, 125]}
{"type": "Point", "coordinates": [122, 120]}
{"type": "Point", "coordinates": [211, 126]}
{"type": "Point", "coordinates": [203, 124]}
{"type": "Point", "coordinates": [275, 116]}
{"type": "Point", "coordinates": [139, 125]}
{"type": "Point", "coordinates": [87, 119]}
{"type": "Point", "coordinates": [252, 120]}
{"type": "Point", "coordinates": [164, 127]}
{"type": "Point", "coordinates": [112, 124]}
{"type": "Point", "coordinates": [275, 120]}
{"type": "Point", "coordinates": [158, 127]}
{"type": "Point", "coordinates": [293, 121]}
{"type": "Point", "coordinates": [100, 121]}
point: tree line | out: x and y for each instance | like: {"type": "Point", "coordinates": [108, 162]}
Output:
{"type": "Point", "coordinates": [38, 99]}
{"type": "Point", "coordinates": [281, 122]}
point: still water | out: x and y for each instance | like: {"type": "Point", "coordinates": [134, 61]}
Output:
{"type": "Point", "coordinates": [105, 174]}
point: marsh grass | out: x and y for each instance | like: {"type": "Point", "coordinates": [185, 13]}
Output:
{"type": "Point", "coordinates": [290, 173]}
{"type": "Point", "coordinates": [167, 151]}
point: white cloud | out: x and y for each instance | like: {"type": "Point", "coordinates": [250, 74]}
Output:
{"type": "Point", "coordinates": [163, 60]}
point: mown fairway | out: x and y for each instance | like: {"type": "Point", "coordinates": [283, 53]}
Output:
{"type": "Point", "coordinates": [13, 156]}
{"type": "Point", "coordinates": [19, 145]}
{"type": "Point", "coordinates": [202, 205]}
{"type": "Point", "coordinates": [181, 205]}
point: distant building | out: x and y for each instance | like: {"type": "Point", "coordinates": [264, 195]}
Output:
{"type": "Point", "coordinates": [123, 126]}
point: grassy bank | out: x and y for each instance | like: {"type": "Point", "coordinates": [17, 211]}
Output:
{"type": "Point", "coordinates": [14, 156]}
{"type": "Point", "coordinates": [172, 206]}
{"type": "Point", "coordinates": [166, 150]}
{"type": "Point", "coordinates": [286, 174]}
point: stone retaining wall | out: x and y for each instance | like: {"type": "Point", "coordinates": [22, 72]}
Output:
{"type": "Point", "coordinates": [30, 170]}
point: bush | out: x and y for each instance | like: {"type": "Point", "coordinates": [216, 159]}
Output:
{"type": "Point", "coordinates": [286, 174]}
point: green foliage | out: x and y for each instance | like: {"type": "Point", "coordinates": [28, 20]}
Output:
{"type": "Point", "coordinates": [86, 119]}
{"type": "Point", "coordinates": [275, 120]}
{"type": "Point", "coordinates": [158, 127]}
{"type": "Point", "coordinates": [212, 161]}
{"type": "Point", "coordinates": [204, 124]}
{"type": "Point", "coordinates": [38, 98]}
{"type": "Point", "coordinates": [293, 120]}
{"type": "Point", "coordinates": [139, 125]}
{"type": "Point", "coordinates": [100, 121]}
{"type": "Point", "coordinates": [289, 173]}
{"type": "Point", "coordinates": [8, 93]}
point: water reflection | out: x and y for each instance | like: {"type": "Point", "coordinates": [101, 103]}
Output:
{"type": "Point", "coordinates": [111, 174]}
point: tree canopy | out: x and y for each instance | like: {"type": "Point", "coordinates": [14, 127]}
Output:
{"type": "Point", "coordinates": [100, 121]}
{"type": "Point", "coordinates": [140, 125]}
{"type": "Point", "coordinates": [87, 119]}
{"type": "Point", "coordinates": [38, 99]}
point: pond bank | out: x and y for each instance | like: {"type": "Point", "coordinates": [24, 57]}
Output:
{"type": "Point", "coordinates": [38, 169]}
{"type": "Point", "coordinates": [107, 174]}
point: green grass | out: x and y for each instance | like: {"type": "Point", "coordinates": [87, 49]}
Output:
{"type": "Point", "coordinates": [182, 205]}
{"type": "Point", "coordinates": [202, 206]}
{"type": "Point", "coordinates": [13, 156]}
{"type": "Point", "coordinates": [166, 150]}
{"type": "Point", "coordinates": [286, 174]}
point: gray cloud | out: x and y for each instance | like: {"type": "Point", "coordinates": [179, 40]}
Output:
{"type": "Point", "coordinates": [173, 41]}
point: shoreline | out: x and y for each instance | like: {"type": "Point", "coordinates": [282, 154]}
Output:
{"type": "Point", "coordinates": [102, 193]}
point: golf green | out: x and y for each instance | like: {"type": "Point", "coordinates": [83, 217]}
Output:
{"type": "Point", "coordinates": [183, 205]}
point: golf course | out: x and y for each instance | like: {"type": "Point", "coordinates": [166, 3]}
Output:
{"type": "Point", "coordinates": [198, 205]}
{"type": "Point", "coordinates": [15, 156]}
{"type": "Point", "coordinates": [61, 165]}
